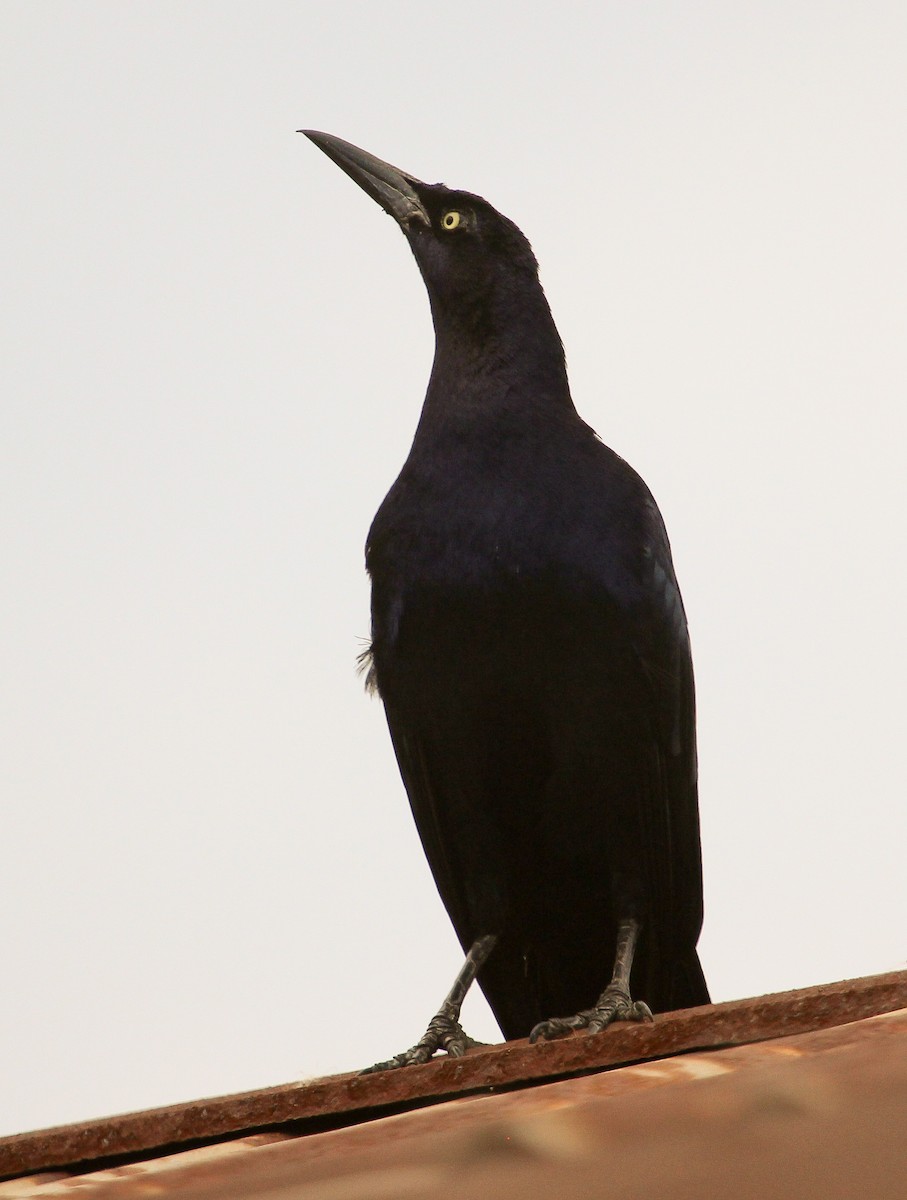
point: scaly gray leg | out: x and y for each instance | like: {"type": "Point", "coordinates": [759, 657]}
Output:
{"type": "Point", "coordinates": [444, 1031]}
{"type": "Point", "coordinates": [614, 1004]}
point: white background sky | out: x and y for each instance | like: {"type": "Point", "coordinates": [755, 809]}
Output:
{"type": "Point", "coordinates": [215, 352]}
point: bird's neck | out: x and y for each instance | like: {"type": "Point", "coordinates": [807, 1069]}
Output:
{"type": "Point", "coordinates": [497, 362]}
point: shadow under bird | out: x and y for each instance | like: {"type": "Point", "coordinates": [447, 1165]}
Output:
{"type": "Point", "coordinates": [530, 646]}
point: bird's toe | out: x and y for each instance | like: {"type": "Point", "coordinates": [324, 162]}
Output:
{"type": "Point", "coordinates": [614, 1004]}
{"type": "Point", "coordinates": [444, 1033]}
{"type": "Point", "coordinates": [557, 1027]}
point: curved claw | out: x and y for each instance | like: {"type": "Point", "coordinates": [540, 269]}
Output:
{"type": "Point", "coordinates": [613, 1005]}
{"type": "Point", "coordinates": [407, 1058]}
{"type": "Point", "coordinates": [632, 1010]}
{"type": "Point", "coordinates": [443, 1033]}
{"type": "Point", "coordinates": [558, 1027]}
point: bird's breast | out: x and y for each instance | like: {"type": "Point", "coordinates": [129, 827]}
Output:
{"type": "Point", "coordinates": [474, 520]}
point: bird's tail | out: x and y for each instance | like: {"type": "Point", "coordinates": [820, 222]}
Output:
{"type": "Point", "coordinates": [687, 987]}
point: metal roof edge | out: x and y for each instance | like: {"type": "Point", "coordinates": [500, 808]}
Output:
{"type": "Point", "coordinates": [343, 1100]}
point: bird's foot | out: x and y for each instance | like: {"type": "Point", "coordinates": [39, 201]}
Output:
{"type": "Point", "coordinates": [614, 1004]}
{"type": "Point", "coordinates": [444, 1032]}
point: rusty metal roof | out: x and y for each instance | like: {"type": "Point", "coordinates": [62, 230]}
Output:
{"type": "Point", "coordinates": [799, 1094]}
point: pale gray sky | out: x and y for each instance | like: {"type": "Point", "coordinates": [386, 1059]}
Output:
{"type": "Point", "coordinates": [215, 352]}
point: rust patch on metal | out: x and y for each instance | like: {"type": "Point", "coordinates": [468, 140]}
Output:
{"type": "Point", "coordinates": [812, 1117]}
{"type": "Point", "coordinates": [348, 1099]}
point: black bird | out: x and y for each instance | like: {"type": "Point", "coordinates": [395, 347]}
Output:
{"type": "Point", "coordinates": [530, 646]}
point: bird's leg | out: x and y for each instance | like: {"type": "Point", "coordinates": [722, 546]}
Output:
{"type": "Point", "coordinates": [614, 1004]}
{"type": "Point", "coordinates": [444, 1031]}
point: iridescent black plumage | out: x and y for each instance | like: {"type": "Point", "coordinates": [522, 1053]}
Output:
{"type": "Point", "coordinates": [530, 647]}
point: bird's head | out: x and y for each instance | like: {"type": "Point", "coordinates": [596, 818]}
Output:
{"type": "Point", "coordinates": [477, 265]}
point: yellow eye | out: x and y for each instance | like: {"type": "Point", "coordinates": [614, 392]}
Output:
{"type": "Point", "coordinates": [450, 220]}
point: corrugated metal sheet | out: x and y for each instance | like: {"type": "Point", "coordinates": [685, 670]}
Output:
{"type": "Point", "coordinates": [838, 1086]}
{"type": "Point", "coordinates": [819, 1115]}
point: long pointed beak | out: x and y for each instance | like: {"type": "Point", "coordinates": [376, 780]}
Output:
{"type": "Point", "coordinates": [391, 187]}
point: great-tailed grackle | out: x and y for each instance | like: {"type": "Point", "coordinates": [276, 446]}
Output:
{"type": "Point", "coordinates": [531, 649]}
